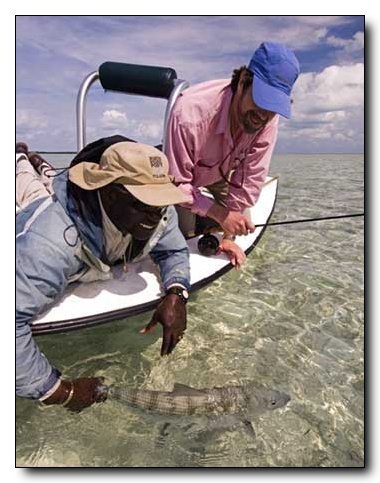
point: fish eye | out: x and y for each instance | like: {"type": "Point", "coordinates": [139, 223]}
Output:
{"type": "Point", "coordinates": [273, 402]}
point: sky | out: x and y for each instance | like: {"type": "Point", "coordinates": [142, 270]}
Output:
{"type": "Point", "coordinates": [55, 53]}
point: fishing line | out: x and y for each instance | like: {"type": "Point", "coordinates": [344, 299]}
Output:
{"type": "Point", "coordinates": [307, 220]}
{"type": "Point", "coordinates": [208, 244]}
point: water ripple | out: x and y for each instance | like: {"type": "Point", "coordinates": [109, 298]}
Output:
{"type": "Point", "coordinates": [292, 318]}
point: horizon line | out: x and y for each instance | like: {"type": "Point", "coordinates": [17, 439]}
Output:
{"type": "Point", "coordinates": [274, 154]}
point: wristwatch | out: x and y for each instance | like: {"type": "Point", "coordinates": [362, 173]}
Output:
{"type": "Point", "coordinates": [182, 293]}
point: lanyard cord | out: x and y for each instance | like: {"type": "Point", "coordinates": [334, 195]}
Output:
{"type": "Point", "coordinates": [54, 172]}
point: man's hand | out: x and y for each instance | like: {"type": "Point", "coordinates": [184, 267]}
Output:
{"type": "Point", "coordinates": [79, 393]}
{"type": "Point", "coordinates": [232, 222]}
{"type": "Point", "coordinates": [171, 314]}
{"type": "Point", "coordinates": [233, 251]}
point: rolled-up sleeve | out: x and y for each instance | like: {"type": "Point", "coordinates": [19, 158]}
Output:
{"type": "Point", "coordinates": [253, 170]}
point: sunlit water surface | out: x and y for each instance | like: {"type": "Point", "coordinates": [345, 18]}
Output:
{"type": "Point", "coordinates": [291, 319]}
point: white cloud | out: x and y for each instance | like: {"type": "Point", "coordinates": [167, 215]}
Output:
{"type": "Point", "coordinates": [147, 131]}
{"type": "Point", "coordinates": [114, 119]}
{"type": "Point", "coordinates": [328, 110]}
{"type": "Point", "coordinates": [30, 119]}
{"type": "Point", "coordinates": [196, 46]}
{"type": "Point", "coordinates": [54, 53]}
{"type": "Point", "coordinates": [350, 46]}
{"type": "Point", "coordinates": [31, 126]}
{"type": "Point", "coordinates": [336, 88]}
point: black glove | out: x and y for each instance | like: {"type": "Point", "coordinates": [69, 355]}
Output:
{"type": "Point", "coordinates": [79, 393]}
{"type": "Point", "coordinates": [171, 314]}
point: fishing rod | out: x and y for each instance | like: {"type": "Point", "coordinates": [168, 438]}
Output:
{"type": "Point", "coordinates": [208, 244]}
{"type": "Point", "coordinates": [306, 220]}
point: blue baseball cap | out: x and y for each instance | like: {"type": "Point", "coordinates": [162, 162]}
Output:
{"type": "Point", "coordinates": [275, 69]}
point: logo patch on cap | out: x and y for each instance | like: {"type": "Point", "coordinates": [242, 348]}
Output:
{"type": "Point", "coordinates": [157, 166]}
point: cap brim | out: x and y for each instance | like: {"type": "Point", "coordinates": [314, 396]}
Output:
{"type": "Point", "coordinates": [89, 176]}
{"type": "Point", "coordinates": [270, 98]}
{"type": "Point", "coordinates": [158, 194]}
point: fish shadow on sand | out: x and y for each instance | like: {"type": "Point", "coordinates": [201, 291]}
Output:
{"type": "Point", "coordinates": [203, 429]}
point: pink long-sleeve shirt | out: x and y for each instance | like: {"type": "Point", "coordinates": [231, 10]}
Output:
{"type": "Point", "coordinates": [199, 147]}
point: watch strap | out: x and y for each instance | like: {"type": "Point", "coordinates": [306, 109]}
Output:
{"type": "Point", "coordinates": [180, 291]}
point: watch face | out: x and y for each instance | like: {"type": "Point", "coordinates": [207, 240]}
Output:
{"type": "Point", "coordinates": [181, 292]}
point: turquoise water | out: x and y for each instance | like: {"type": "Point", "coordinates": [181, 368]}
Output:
{"type": "Point", "coordinates": [292, 319]}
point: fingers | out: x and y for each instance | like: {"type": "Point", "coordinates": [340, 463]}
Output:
{"type": "Point", "coordinates": [245, 227]}
{"type": "Point", "coordinates": [239, 260]}
{"type": "Point", "coordinates": [237, 223]}
{"type": "Point", "coordinates": [169, 341]}
{"type": "Point", "coordinates": [240, 257]}
{"type": "Point", "coordinates": [152, 324]}
{"type": "Point", "coordinates": [171, 314]}
{"type": "Point", "coordinates": [166, 343]}
{"type": "Point", "coordinates": [235, 254]}
{"type": "Point", "coordinates": [251, 227]}
{"type": "Point", "coordinates": [235, 260]}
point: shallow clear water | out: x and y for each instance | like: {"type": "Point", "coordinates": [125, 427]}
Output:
{"type": "Point", "coordinates": [292, 319]}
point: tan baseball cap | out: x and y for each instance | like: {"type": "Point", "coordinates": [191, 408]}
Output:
{"type": "Point", "coordinates": [141, 169]}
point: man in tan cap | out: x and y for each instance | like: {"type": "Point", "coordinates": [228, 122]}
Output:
{"type": "Point", "coordinates": [113, 204]}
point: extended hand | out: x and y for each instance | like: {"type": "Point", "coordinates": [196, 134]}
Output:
{"type": "Point", "coordinates": [171, 314]}
{"type": "Point", "coordinates": [237, 224]}
{"type": "Point", "coordinates": [233, 251]}
{"type": "Point", "coordinates": [232, 222]}
{"type": "Point", "coordinates": [78, 393]}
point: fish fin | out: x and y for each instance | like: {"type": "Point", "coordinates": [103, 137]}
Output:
{"type": "Point", "coordinates": [214, 426]}
{"type": "Point", "coordinates": [164, 428]}
{"type": "Point", "coordinates": [183, 390]}
{"type": "Point", "coordinates": [163, 434]}
{"type": "Point", "coordinates": [248, 427]}
{"type": "Point", "coordinates": [233, 422]}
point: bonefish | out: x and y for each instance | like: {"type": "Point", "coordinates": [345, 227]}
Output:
{"type": "Point", "coordinates": [184, 400]}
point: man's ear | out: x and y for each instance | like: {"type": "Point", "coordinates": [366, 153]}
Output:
{"type": "Point", "coordinates": [245, 78]}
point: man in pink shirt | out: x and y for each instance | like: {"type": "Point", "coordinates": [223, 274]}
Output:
{"type": "Point", "coordinates": [221, 136]}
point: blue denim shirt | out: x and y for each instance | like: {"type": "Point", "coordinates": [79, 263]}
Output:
{"type": "Point", "coordinates": [47, 247]}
